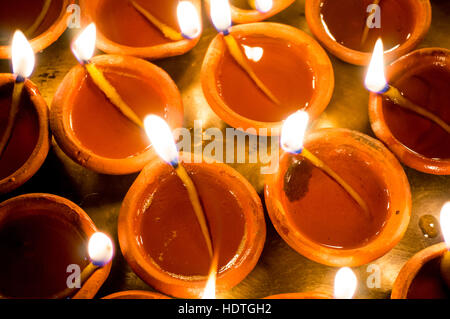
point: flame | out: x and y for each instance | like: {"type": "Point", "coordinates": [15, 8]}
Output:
{"type": "Point", "coordinates": [375, 78]}
{"type": "Point", "coordinates": [210, 289]}
{"type": "Point", "coordinates": [84, 46]}
{"type": "Point", "coordinates": [293, 132]}
{"type": "Point", "coordinates": [23, 59]}
{"type": "Point", "coordinates": [445, 222]}
{"type": "Point", "coordinates": [100, 249]}
{"type": "Point", "coordinates": [221, 14]}
{"type": "Point", "coordinates": [345, 284]}
{"type": "Point", "coordinates": [254, 53]}
{"type": "Point", "coordinates": [160, 135]}
{"type": "Point", "coordinates": [264, 6]}
{"type": "Point", "coordinates": [188, 20]}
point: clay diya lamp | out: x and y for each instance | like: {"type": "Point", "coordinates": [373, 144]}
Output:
{"type": "Point", "coordinates": [24, 133]}
{"type": "Point", "coordinates": [248, 11]}
{"type": "Point", "coordinates": [97, 110]}
{"type": "Point", "coordinates": [427, 274]}
{"type": "Point", "coordinates": [136, 294]}
{"type": "Point", "coordinates": [146, 29]}
{"type": "Point", "coordinates": [345, 284]}
{"type": "Point", "coordinates": [350, 28]}
{"type": "Point", "coordinates": [42, 236]}
{"type": "Point", "coordinates": [420, 277]}
{"type": "Point", "coordinates": [162, 221]}
{"type": "Point", "coordinates": [411, 113]}
{"type": "Point", "coordinates": [255, 75]}
{"type": "Point", "coordinates": [42, 21]}
{"type": "Point", "coordinates": [343, 201]}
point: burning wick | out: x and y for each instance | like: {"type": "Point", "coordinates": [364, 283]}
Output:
{"type": "Point", "coordinates": [188, 20]}
{"type": "Point", "coordinates": [221, 18]}
{"type": "Point", "coordinates": [262, 6]}
{"type": "Point", "coordinates": [445, 225]}
{"type": "Point", "coordinates": [376, 83]}
{"type": "Point", "coordinates": [292, 137]}
{"type": "Point", "coordinates": [167, 31]}
{"type": "Point", "coordinates": [23, 64]}
{"type": "Point", "coordinates": [345, 284]}
{"type": "Point", "coordinates": [32, 29]}
{"type": "Point", "coordinates": [83, 49]}
{"type": "Point", "coordinates": [160, 135]}
{"type": "Point", "coordinates": [101, 252]}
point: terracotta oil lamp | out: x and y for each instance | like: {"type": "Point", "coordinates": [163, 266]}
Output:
{"type": "Point", "coordinates": [43, 21]}
{"type": "Point", "coordinates": [411, 113]}
{"type": "Point", "coordinates": [255, 75]}
{"type": "Point", "coordinates": [162, 231]}
{"type": "Point", "coordinates": [97, 111]}
{"type": "Point", "coordinates": [42, 235]}
{"type": "Point", "coordinates": [248, 11]}
{"type": "Point", "coordinates": [24, 133]}
{"type": "Point", "coordinates": [136, 294]}
{"type": "Point", "coordinates": [343, 201]}
{"type": "Point", "coordinates": [427, 274]}
{"type": "Point", "coordinates": [345, 284]}
{"type": "Point", "coordinates": [146, 29]}
{"type": "Point", "coordinates": [343, 26]}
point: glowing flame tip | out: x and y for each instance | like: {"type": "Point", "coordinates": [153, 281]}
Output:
{"type": "Point", "coordinates": [293, 132]}
{"type": "Point", "coordinates": [188, 19]}
{"type": "Point", "coordinates": [160, 135]}
{"type": "Point", "coordinates": [345, 284]}
{"type": "Point", "coordinates": [210, 289]}
{"type": "Point", "coordinates": [263, 6]}
{"type": "Point", "coordinates": [375, 78]}
{"type": "Point", "coordinates": [84, 45]}
{"type": "Point", "coordinates": [23, 58]}
{"type": "Point", "coordinates": [100, 249]}
{"type": "Point", "coordinates": [220, 14]}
